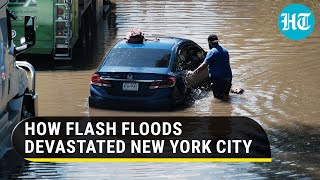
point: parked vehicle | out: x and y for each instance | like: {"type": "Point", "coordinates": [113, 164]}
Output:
{"type": "Point", "coordinates": [149, 74]}
{"type": "Point", "coordinates": [60, 23]}
{"type": "Point", "coordinates": [18, 98]}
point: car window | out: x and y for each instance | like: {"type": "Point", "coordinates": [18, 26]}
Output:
{"type": "Point", "coordinates": [196, 53]}
{"type": "Point", "coordinates": [189, 57]}
{"type": "Point", "coordinates": [139, 57]}
{"type": "Point", "coordinates": [180, 59]}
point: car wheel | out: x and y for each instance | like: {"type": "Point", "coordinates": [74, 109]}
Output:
{"type": "Point", "coordinates": [188, 94]}
{"type": "Point", "coordinates": [179, 97]}
{"type": "Point", "coordinates": [91, 105]}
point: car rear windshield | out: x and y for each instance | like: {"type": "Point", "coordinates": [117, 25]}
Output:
{"type": "Point", "coordinates": [138, 57]}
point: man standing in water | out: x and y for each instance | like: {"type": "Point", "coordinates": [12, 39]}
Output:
{"type": "Point", "coordinates": [220, 72]}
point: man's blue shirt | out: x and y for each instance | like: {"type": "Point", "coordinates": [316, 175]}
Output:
{"type": "Point", "coordinates": [219, 63]}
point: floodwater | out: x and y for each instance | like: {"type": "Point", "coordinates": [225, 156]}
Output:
{"type": "Point", "coordinates": [280, 78]}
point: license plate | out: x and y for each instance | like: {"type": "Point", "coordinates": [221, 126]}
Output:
{"type": "Point", "coordinates": [130, 86]}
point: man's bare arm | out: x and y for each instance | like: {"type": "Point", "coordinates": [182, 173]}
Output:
{"type": "Point", "coordinates": [200, 68]}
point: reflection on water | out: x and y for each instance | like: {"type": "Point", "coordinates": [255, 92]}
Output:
{"type": "Point", "coordinates": [136, 171]}
{"type": "Point", "coordinates": [280, 78]}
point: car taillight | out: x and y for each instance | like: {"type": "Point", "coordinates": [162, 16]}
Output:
{"type": "Point", "coordinates": [167, 82]}
{"type": "Point", "coordinates": [96, 80]}
{"type": "Point", "coordinates": [60, 11]}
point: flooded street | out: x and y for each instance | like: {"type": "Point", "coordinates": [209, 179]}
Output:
{"type": "Point", "coordinates": [280, 77]}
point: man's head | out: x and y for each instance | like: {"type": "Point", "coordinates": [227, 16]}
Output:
{"type": "Point", "coordinates": [213, 41]}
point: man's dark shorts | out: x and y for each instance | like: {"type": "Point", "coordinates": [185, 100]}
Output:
{"type": "Point", "coordinates": [221, 87]}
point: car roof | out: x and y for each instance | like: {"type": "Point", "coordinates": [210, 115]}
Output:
{"type": "Point", "coordinates": [153, 43]}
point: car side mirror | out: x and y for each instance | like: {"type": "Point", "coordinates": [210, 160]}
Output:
{"type": "Point", "coordinates": [30, 35]}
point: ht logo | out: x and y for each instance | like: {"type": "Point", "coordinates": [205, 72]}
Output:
{"type": "Point", "coordinates": [300, 21]}
{"type": "Point", "coordinates": [296, 21]}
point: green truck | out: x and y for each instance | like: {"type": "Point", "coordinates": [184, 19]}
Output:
{"type": "Point", "coordinates": [61, 24]}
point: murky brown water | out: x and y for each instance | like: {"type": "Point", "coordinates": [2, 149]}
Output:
{"type": "Point", "coordinates": [281, 79]}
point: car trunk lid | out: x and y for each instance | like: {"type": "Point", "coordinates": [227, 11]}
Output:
{"type": "Point", "coordinates": [134, 83]}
